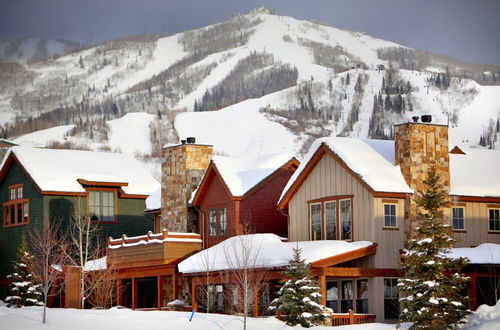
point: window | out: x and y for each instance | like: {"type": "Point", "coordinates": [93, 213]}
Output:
{"type": "Point", "coordinates": [494, 219]}
{"type": "Point", "coordinates": [458, 218]}
{"type": "Point", "coordinates": [347, 297]}
{"type": "Point", "coordinates": [362, 297]}
{"type": "Point", "coordinates": [391, 298]}
{"type": "Point", "coordinates": [390, 215]}
{"type": "Point", "coordinates": [217, 222]}
{"type": "Point", "coordinates": [16, 209]}
{"type": "Point", "coordinates": [102, 205]}
{"type": "Point", "coordinates": [332, 296]}
{"type": "Point", "coordinates": [331, 219]}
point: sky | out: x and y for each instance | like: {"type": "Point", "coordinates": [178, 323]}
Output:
{"type": "Point", "coordinates": [466, 29]}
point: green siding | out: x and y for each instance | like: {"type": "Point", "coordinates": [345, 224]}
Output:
{"type": "Point", "coordinates": [131, 219]}
{"type": "Point", "coordinates": [10, 237]}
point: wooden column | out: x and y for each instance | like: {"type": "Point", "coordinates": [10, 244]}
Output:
{"type": "Point", "coordinates": [194, 297]}
{"type": "Point", "coordinates": [322, 285]}
{"type": "Point", "coordinates": [473, 291]}
{"type": "Point", "coordinates": [119, 292]}
{"type": "Point", "coordinates": [256, 294]}
{"type": "Point", "coordinates": [134, 293]}
{"type": "Point", "coordinates": [175, 285]}
{"type": "Point", "coordinates": [159, 292]}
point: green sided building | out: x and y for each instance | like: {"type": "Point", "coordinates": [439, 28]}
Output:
{"type": "Point", "coordinates": [42, 185]}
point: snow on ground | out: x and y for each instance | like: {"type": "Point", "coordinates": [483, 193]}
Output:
{"type": "Point", "coordinates": [28, 318]}
{"type": "Point", "coordinates": [42, 137]}
{"type": "Point", "coordinates": [130, 133]}
{"type": "Point", "coordinates": [485, 318]}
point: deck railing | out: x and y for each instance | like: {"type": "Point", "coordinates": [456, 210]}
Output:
{"type": "Point", "coordinates": [352, 318]}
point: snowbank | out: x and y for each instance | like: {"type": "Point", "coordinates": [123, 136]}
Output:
{"type": "Point", "coordinates": [485, 318]}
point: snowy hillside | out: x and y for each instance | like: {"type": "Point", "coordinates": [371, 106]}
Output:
{"type": "Point", "coordinates": [21, 49]}
{"type": "Point", "coordinates": [277, 82]}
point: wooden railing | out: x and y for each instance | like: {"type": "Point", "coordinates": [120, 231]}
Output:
{"type": "Point", "coordinates": [351, 318]}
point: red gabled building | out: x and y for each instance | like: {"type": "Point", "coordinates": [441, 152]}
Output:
{"type": "Point", "coordinates": [239, 195]}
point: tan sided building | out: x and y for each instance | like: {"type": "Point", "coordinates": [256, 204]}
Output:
{"type": "Point", "coordinates": [362, 190]}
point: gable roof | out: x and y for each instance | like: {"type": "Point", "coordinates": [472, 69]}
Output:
{"type": "Point", "coordinates": [370, 161]}
{"type": "Point", "coordinates": [243, 174]}
{"type": "Point", "coordinates": [57, 170]}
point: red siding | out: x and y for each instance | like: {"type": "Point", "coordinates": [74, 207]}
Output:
{"type": "Point", "coordinates": [261, 206]}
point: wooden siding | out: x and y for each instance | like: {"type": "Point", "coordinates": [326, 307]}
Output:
{"type": "Point", "coordinates": [10, 237]}
{"type": "Point", "coordinates": [261, 205]}
{"type": "Point", "coordinates": [476, 223]}
{"type": "Point", "coordinates": [215, 196]}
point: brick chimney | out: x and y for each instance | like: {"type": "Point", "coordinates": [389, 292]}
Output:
{"type": "Point", "coordinates": [419, 146]}
{"type": "Point", "coordinates": [183, 167]}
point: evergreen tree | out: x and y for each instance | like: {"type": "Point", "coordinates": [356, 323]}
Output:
{"type": "Point", "coordinates": [432, 286]}
{"type": "Point", "coordinates": [24, 289]}
{"type": "Point", "coordinates": [299, 298]}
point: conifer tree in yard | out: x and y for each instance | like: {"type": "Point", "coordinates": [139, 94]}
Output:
{"type": "Point", "coordinates": [432, 284]}
{"type": "Point", "coordinates": [24, 290]}
{"type": "Point", "coordinates": [299, 298]}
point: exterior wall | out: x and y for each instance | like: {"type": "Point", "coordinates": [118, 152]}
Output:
{"type": "Point", "coordinates": [261, 209]}
{"type": "Point", "coordinates": [182, 171]}
{"type": "Point", "coordinates": [476, 225]}
{"type": "Point", "coordinates": [328, 179]}
{"type": "Point", "coordinates": [10, 237]}
{"type": "Point", "coordinates": [216, 196]}
{"type": "Point", "coordinates": [418, 147]}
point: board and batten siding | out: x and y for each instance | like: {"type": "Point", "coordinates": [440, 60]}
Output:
{"type": "Point", "coordinates": [476, 223]}
{"type": "Point", "coordinates": [330, 179]}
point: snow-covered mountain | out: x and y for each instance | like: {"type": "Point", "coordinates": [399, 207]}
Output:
{"type": "Point", "coordinates": [21, 49]}
{"type": "Point", "coordinates": [276, 82]}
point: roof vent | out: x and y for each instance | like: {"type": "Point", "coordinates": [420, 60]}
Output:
{"type": "Point", "coordinates": [426, 118]}
{"type": "Point", "coordinates": [415, 119]}
{"type": "Point", "coordinates": [191, 139]}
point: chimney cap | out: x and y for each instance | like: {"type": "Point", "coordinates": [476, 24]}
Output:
{"type": "Point", "coordinates": [191, 139]}
{"type": "Point", "coordinates": [426, 118]}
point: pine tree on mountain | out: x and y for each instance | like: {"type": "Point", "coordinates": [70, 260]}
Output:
{"type": "Point", "coordinates": [24, 290]}
{"type": "Point", "coordinates": [347, 79]}
{"type": "Point", "coordinates": [432, 283]}
{"type": "Point", "coordinates": [299, 298]}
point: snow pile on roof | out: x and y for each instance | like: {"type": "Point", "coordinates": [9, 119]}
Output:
{"type": "Point", "coordinates": [485, 318]}
{"type": "Point", "coordinates": [372, 160]}
{"type": "Point", "coordinates": [227, 254]}
{"type": "Point", "coordinates": [486, 253]}
{"type": "Point", "coordinates": [97, 264]}
{"type": "Point", "coordinates": [59, 170]}
{"type": "Point", "coordinates": [243, 173]}
{"type": "Point", "coordinates": [477, 173]}
{"type": "Point", "coordinates": [153, 202]}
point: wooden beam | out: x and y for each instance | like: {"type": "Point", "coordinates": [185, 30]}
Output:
{"type": "Point", "coordinates": [134, 293]}
{"type": "Point", "coordinates": [347, 256]}
{"type": "Point", "coordinates": [322, 285]}
{"type": "Point", "coordinates": [473, 292]}
{"type": "Point", "coordinates": [145, 271]}
{"type": "Point", "coordinates": [175, 285]}
{"type": "Point", "coordinates": [119, 292]}
{"type": "Point", "coordinates": [357, 272]}
{"type": "Point", "coordinates": [159, 292]}
{"type": "Point", "coordinates": [194, 296]}
{"type": "Point", "coordinates": [256, 301]}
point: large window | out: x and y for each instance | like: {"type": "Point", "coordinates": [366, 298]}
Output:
{"type": "Point", "coordinates": [390, 215]}
{"type": "Point", "coordinates": [217, 222]}
{"type": "Point", "coordinates": [458, 218]}
{"type": "Point", "coordinates": [391, 298]}
{"type": "Point", "coordinates": [494, 216]}
{"type": "Point", "coordinates": [331, 219]}
{"type": "Point", "coordinates": [102, 205]}
{"type": "Point", "coordinates": [16, 209]}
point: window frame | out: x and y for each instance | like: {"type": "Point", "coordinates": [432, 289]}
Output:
{"type": "Point", "coordinates": [495, 220]}
{"type": "Point", "coordinates": [16, 211]}
{"type": "Point", "coordinates": [218, 224]}
{"type": "Point", "coordinates": [115, 201]}
{"type": "Point", "coordinates": [395, 215]}
{"type": "Point", "coordinates": [463, 229]}
{"type": "Point", "coordinates": [339, 230]}
{"type": "Point", "coordinates": [391, 298]}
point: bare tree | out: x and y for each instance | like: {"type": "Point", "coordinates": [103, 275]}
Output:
{"type": "Point", "coordinates": [246, 270]}
{"type": "Point", "coordinates": [49, 256]}
{"type": "Point", "coordinates": [101, 281]}
{"type": "Point", "coordinates": [206, 291]}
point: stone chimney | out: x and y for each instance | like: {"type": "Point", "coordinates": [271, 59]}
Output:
{"type": "Point", "coordinates": [419, 146]}
{"type": "Point", "coordinates": [183, 167]}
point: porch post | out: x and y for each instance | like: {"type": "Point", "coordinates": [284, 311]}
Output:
{"type": "Point", "coordinates": [159, 293]}
{"type": "Point", "coordinates": [134, 293]}
{"type": "Point", "coordinates": [322, 285]}
{"type": "Point", "coordinates": [256, 294]}
{"type": "Point", "coordinates": [473, 291]}
{"type": "Point", "coordinates": [119, 292]}
{"type": "Point", "coordinates": [194, 296]}
{"type": "Point", "coordinates": [175, 285]}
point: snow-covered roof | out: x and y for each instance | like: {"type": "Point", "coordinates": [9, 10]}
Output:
{"type": "Point", "coordinates": [151, 238]}
{"type": "Point", "coordinates": [243, 173]}
{"type": "Point", "coordinates": [58, 170]}
{"type": "Point", "coordinates": [486, 253]}
{"type": "Point", "coordinates": [477, 173]}
{"type": "Point", "coordinates": [226, 254]}
{"type": "Point", "coordinates": [153, 202]}
{"type": "Point", "coordinates": [371, 160]}
{"type": "Point", "coordinates": [96, 264]}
